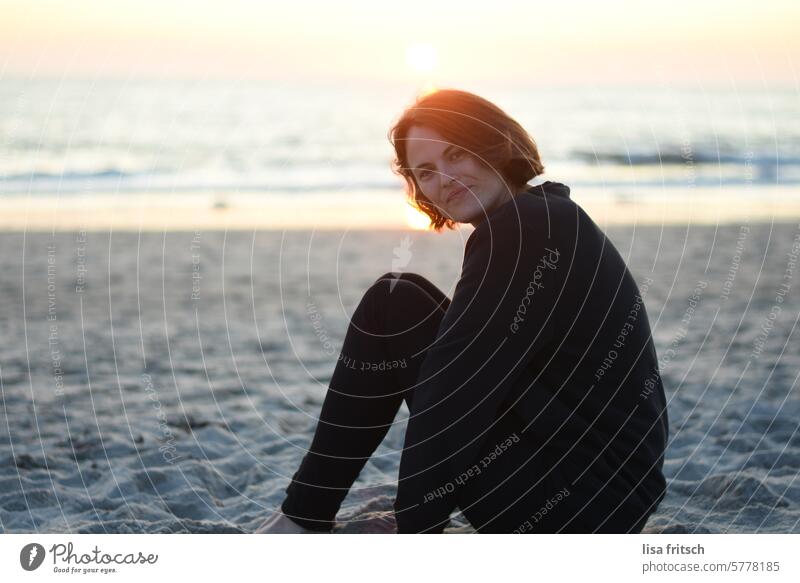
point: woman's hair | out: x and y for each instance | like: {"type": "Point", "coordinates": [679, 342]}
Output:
{"type": "Point", "coordinates": [477, 126]}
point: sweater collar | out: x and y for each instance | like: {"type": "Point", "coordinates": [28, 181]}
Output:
{"type": "Point", "coordinates": [550, 188]}
{"type": "Point", "coordinates": [546, 188]}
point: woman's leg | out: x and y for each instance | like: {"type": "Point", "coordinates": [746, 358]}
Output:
{"type": "Point", "coordinates": [387, 339]}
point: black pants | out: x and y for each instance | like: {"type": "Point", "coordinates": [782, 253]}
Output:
{"type": "Point", "coordinates": [386, 342]}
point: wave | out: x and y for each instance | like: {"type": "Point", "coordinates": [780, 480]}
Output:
{"type": "Point", "coordinates": [671, 157]}
{"type": "Point", "coordinates": [343, 188]}
{"type": "Point", "coordinates": [110, 173]}
{"type": "Point", "coordinates": [741, 169]}
{"type": "Point", "coordinates": [144, 183]}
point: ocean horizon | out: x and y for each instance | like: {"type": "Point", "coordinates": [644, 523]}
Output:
{"type": "Point", "coordinates": [81, 136]}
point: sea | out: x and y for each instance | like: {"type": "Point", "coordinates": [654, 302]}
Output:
{"type": "Point", "coordinates": [127, 136]}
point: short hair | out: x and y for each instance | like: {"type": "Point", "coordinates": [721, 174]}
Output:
{"type": "Point", "coordinates": [473, 124]}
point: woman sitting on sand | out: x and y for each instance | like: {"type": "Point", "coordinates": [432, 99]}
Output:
{"type": "Point", "coordinates": [535, 399]}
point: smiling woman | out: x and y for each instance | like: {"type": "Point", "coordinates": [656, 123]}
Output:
{"type": "Point", "coordinates": [508, 418]}
{"type": "Point", "coordinates": [461, 157]}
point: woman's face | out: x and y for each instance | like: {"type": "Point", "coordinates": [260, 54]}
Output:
{"type": "Point", "coordinates": [461, 187]}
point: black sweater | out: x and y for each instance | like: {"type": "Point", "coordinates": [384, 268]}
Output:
{"type": "Point", "coordinates": [547, 319]}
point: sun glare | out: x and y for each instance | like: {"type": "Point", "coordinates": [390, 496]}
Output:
{"type": "Point", "coordinates": [417, 220]}
{"type": "Point", "coordinates": [422, 58]}
{"type": "Point", "coordinates": [428, 89]}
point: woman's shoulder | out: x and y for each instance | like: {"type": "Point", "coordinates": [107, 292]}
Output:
{"type": "Point", "coordinates": [545, 211]}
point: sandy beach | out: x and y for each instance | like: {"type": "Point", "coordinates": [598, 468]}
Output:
{"type": "Point", "coordinates": [170, 381]}
{"type": "Point", "coordinates": [371, 210]}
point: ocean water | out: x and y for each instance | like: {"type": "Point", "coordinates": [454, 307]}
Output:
{"type": "Point", "coordinates": [67, 136]}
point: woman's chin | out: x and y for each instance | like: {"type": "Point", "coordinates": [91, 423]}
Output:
{"type": "Point", "coordinates": [465, 213]}
{"type": "Point", "coordinates": [460, 218]}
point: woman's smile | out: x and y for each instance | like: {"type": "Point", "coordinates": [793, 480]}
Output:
{"type": "Point", "coordinates": [455, 195]}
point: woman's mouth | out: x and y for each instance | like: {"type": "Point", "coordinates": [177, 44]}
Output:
{"type": "Point", "coordinates": [456, 193]}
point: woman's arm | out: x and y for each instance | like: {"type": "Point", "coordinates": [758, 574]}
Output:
{"type": "Point", "coordinates": [500, 316]}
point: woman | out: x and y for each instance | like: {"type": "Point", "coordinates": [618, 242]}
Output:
{"type": "Point", "coordinates": [534, 394]}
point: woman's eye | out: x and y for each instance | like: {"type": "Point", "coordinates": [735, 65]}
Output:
{"type": "Point", "coordinates": [456, 154]}
{"type": "Point", "coordinates": [424, 174]}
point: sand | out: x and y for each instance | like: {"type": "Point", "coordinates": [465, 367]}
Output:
{"type": "Point", "coordinates": [370, 210]}
{"type": "Point", "coordinates": [169, 381]}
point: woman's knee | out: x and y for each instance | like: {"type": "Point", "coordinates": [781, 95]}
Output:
{"type": "Point", "coordinates": [409, 276]}
{"type": "Point", "coordinates": [404, 300]}
{"type": "Point", "coordinates": [412, 284]}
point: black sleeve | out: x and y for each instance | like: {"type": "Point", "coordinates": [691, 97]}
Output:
{"type": "Point", "coordinates": [498, 319]}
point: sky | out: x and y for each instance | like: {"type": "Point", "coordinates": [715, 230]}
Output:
{"type": "Point", "coordinates": [564, 42]}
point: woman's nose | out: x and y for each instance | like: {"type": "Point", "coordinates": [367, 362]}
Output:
{"type": "Point", "coordinates": [449, 180]}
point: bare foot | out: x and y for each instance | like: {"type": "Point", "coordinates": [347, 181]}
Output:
{"type": "Point", "coordinates": [279, 523]}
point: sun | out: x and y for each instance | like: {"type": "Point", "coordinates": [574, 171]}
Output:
{"type": "Point", "coordinates": [417, 220]}
{"type": "Point", "coordinates": [422, 57]}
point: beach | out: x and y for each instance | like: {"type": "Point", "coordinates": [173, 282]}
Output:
{"type": "Point", "coordinates": [157, 380]}
{"type": "Point", "coordinates": [380, 209]}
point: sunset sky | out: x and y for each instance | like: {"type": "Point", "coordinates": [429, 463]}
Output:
{"type": "Point", "coordinates": [444, 42]}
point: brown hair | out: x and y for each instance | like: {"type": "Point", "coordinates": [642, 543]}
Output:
{"type": "Point", "coordinates": [473, 124]}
